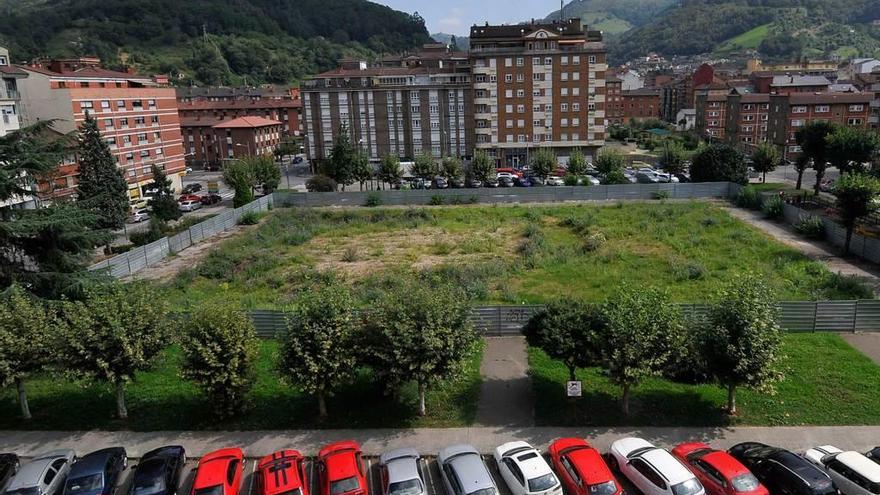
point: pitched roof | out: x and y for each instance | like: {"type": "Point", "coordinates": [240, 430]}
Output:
{"type": "Point", "coordinates": [642, 92]}
{"type": "Point", "coordinates": [86, 73]}
{"type": "Point", "coordinates": [12, 71]}
{"type": "Point", "coordinates": [199, 121]}
{"type": "Point", "coordinates": [246, 122]}
{"type": "Point", "coordinates": [785, 81]}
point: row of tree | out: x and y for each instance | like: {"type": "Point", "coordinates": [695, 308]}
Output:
{"type": "Point", "coordinates": [639, 333]}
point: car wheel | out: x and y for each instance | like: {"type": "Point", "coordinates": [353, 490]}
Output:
{"type": "Point", "coordinates": [612, 463]}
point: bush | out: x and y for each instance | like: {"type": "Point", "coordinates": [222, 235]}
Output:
{"type": "Point", "coordinates": [810, 227]}
{"type": "Point", "coordinates": [350, 255]}
{"type": "Point", "coordinates": [474, 199]}
{"type": "Point", "coordinates": [249, 218]}
{"type": "Point", "coordinates": [155, 232]}
{"type": "Point", "coordinates": [570, 180]}
{"type": "Point", "coordinates": [437, 200]}
{"type": "Point", "coordinates": [661, 195]}
{"type": "Point", "coordinates": [373, 200]}
{"type": "Point", "coordinates": [773, 208]}
{"type": "Point", "coordinates": [719, 163]}
{"type": "Point", "coordinates": [838, 286]}
{"type": "Point", "coordinates": [320, 183]}
{"type": "Point", "coordinates": [594, 242]}
{"type": "Point", "coordinates": [748, 197]}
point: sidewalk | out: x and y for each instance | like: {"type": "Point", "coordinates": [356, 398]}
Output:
{"type": "Point", "coordinates": [506, 393]}
{"type": "Point", "coordinates": [429, 441]}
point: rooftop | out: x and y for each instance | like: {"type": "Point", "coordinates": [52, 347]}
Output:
{"type": "Point", "coordinates": [246, 122]}
{"type": "Point", "coordinates": [832, 98]}
{"type": "Point", "coordinates": [87, 73]}
{"type": "Point", "coordinates": [642, 92]}
{"type": "Point", "coordinates": [793, 81]}
{"type": "Point", "coordinates": [237, 104]}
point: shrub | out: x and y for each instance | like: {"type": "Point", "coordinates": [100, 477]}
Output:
{"type": "Point", "coordinates": [437, 200]}
{"type": "Point", "coordinates": [155, 232]}
{"type": "Point", "coordinates": [249, 218]}
{"type": "Point", "coordinates": [661, 195]}
{"type": "Point", "coordinates": [350, 255]}
{"type": "Point", "coordinates": [688, 271]}
{"type": "Point", "coordinates": [474, 199]}
{"type": "Point", "coordinates": [594, 242]}
{"type": "Point", "coordinates": [570, 180]}
{"type": "Point", "coordinates": [719, 163]}
{"type": "Point", "coordinates": [578, 224]}
{"type": "Point", "coordinates": [773, 208]}
{"type": "Point", "coordinates": [810, 227]}
{"type": "Point", "coordinates": [373, 200]}
{"type": "Point", "coordinates": [838, 286]}
{"type": "Point", "coordinates": [320, 183]}
{"type": "Point", "coordinates": [748, 197]}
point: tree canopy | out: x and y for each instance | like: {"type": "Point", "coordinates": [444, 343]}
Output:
{"type": "Point", "coordinates": [719, 163]}
{"type": "Point", "coordinates": [100, 186]}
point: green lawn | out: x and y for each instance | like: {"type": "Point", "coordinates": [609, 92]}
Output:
{"type": "Point", "coordinates": [161, 400]}
{"type": "Point", "coordinates": [827, 383]}
{"type": "Point", "coordinates": [687, 247]}
{"type": "Point", "coordinates": [749, 40]}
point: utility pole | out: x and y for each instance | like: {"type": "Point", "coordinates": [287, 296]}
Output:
{"type": "Point", "coordinates": [561, 11]}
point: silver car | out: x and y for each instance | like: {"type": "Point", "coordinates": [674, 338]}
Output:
{"type": "Point", "coordinates": [464, 472]}
{"type": "Point", "coordinates": [44, 475]}
{"type": "Point", "coordinates": [399, 470]}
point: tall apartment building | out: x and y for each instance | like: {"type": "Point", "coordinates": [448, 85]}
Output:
{"type": "Point", "coordinates": [210, 141]}
{"type": "Point", "coordinates": [406, 106]}
{"type": "Point", "coordinates": [9, 94]}
{"type": "Point", "coordinates": [613, 100]}
{"type": "Point", "coordinates": [137, 117]}
{"type": "Point", "coordinates": [229, 103]}
{"type": "Point", "coordinates": [538, 85]}
{"type": "Point", "coordinates": [640, 104]}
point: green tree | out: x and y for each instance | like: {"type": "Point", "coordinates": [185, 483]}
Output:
{"type": "Point", "coordinates": [640, 332]}
{"type": "Point", "coordinates": [266, 173]}
{"type": "Point", "coordinates": [424, 167]}
{"type": "Point", "coordinates": [451, 168]}
{"type": "Point", "coordinates": [610, 164]}
{"type": "Point", "coordinates": [856, 195]}
{"type": "Point", "coordinates": [389, 170]}
{"type": "Point", "coordinates": [318, 352]}
{"type": "Point", "coordinates": [363, 170]}
{"type": "Point", "coordinates": [340, 165]}
{"type": "Point", "coordinates": [423, 334]}
{"type": "Point", "coordinates": [26, 330]}
{"type": "Point", "coordinates": [812, 138]}
{"type": "Point", "coordinates": [719, 163]}
{"type": "Point", "coordinates": [673, 157]}
{"type": "Point", "coordinates": [100, 183]}
{"type": "Point", "coordinates": [543, 162]}
{"type": "Point", "coordinates": [482, 166]}
{"type": "Point", "coordinates": [113, 333]}
{"type": "Point", "coordinates": [765, 159]}
{"type": "Point", "coordinates": [239, 175]}
{"type": "Point", "coordinates": [801, 163]}
{"type": "Point", "coordinates": [163, 204]}
{"type": "Point", "coordinates": [577, 163]}
{"type": "Point", "coordinates": [849, 148]}
{"type": "Point", "coordinates": [219, 354]}
{"type": "Point", "coordinates": [567, 330]}
{"type": "Point", "coordinates": [742, 339]}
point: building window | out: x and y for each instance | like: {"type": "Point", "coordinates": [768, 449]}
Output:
{"type": "Point", "coordinates": [509, 123]}
{"type": "Point", "coordinates": [520, 93]}
{"type": "Point", "coordinates": [508, 93]}
{"type": "Point", "coordinates": [563, 107]}
{"type": "Point", "coordinates": [575, 122]}
{"type": "Point", "coordinates": [564, 76]}
{"type": "Point", "coordinates": [575, 76]}
{"type": "Point", "coordinates": [563, 91]}
{"type": "Point", "coordinates": [120, 104]}
{"type": "Point", "coordinates": [536, 60]}
{"type": "Point", "coordinates": [563, 60]}
{"type": "Point", "coordinates": [575, 91]}
{"type": "Point", "coordinates": [520, 109]}
{"type": "Point", "coordinates": [537, 76]}
{"type": "Point", "coordinates": [576, 60]}
{"type": "Point", "coordinates": [508, 77]}
{"type": "Point", "coordinates": [856, 108]}
{"type": "Point", "coordinates": [508, 62]}
{"type": "Point", "coordinates": [563, 122]}
{"type": "Point", "coordinates": [575, 107]}
{"type": "Point", "coordinates": [520, 78]}
{"type": "Point", "coordinates": [548, 61]}
{"type": "Point", "coordinates": [85, 105]}
{"type": "Point", "coordinates": [852, 121]}
{"type": "Point", "coordinates": [508, 108]}
{"type": "Point", "coordinates": [799, 109]}
{"type": "Point", "coordinates": [592, 59]}
{"type": "Point", "coordinates": [822, 109]}
{"type": "Point", "coordinates": [105, 105]}
{"type": "Point", "coordinates": [520, 62]}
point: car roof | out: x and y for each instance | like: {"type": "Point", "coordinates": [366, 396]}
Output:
{"type": "Point", "coordinates": [667, 465]}
{"type": "Point", "coordinates": [212, 467]}
{"type": "Point", "coordinates": [527, 458]}
{"type": "Point", "coordinates": [589, 464]}
{"type": "Point", "coordinates": [31, 473]}
{"type": "Point", "coordinates": [861, 464]}
{"type": "Point", "coordinates": [341, 462]}
{"type": "Point", "coordinates": [280, 471]}
{"type": "Point", "coordinates": [402, 464]}
{"type": "Point", "coordinates": [724, 462]}
{"type": "Point", "coordinates": [627, 446]}
{"type": "Point", "coordinates": [471, 471]}
{"type": "Point", "coordinates": [799, 466]}
{"type": "Point", "coordinates": [93, 463]}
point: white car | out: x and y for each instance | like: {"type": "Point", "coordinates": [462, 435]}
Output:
{"type": "Point", "coordinates": [590, 181]}
{"type": "Point", "coordinates": [554, 180]}
{"type": "Point", "coordinates": [138, 216]}
{"type": "Point", "coordinates": [652, 470]}
{"type": "Point", "coordinates": [852, 472]}
{"type": "Point", "coordinates": [509, 175]}
{"type": "Point", "coordinates": [190, 205]}
{"type": "Point", "coordinates": [525, 471]}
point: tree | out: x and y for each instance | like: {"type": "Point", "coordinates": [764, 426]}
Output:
{"type": "Point", "coordinates": [421, 333]}
{"type": "Point", "coordinates": [609, 163]}
{"type": "Point", "coordinates": [855, 195]}
{"type": "Point", "coordinates": [482, 166]}
{"type": "Point", "coordinates": [114, 332]}
{"type": "Point", "coordinates": [239, 175]}
{"type": "Point", "coordinates": [266, 173]}
{"type": "Point", "coordinates": [577, 163]}
{"type": "Point", "coordinates": [219, 354]}
{"type": "Point", "coordinates": [451, 168]}
{"type": "Point", "coordinates": [719, 163]}
{"type": "Point", "coordinates": [543, 162]}
{"type": "Point", "coordinates": [389, 170]}
{"type": "Point", "coordinates": [801, 163]}
{"type": "Point", "coordinates": [362, 169]}
{"type": "Point", "coordinates": [849, 148]}
{"type": "Point", "coordinates": [318, 353]}
{"type": "Point", "coordinates": [640, 332]}
{"type": "Point", "coordinates": [424, 166]}
{"type": "Point", "coordinates": [100, 183]}
{"type": "Point", "coordinates": [340, 165]}
{"type": "Point", "coordinates": [163, 204]}
{"type": "Point", "coordinates": [765, 159]}
{"type": "Point", "coordinates": [26, 328]}
{"type": "Point", "coordinates": [812, 140]}
{"type": "Point", "coordinates": [567, 330]}
{"type": "Point", "coordinates": [673, 158]}
{"type": "Point", "coordinates": [742, 339]}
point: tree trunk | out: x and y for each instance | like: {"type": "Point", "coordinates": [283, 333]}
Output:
{"type": "Point", "coordinates": [625, 402]}
{"type": "Point", "coordinates": [422, 410]}
{"type": "Point", "coordinates": [800, 179]}
{"type": "Point", "coordinates": [322, 405]}
{"type": "Point", "coordinates": [571, 371]}
{"type": "Point", "coordinates": [818, 182]}
{"type": "Point", "coordinates": [121, 411]}
{"type": "Point", "coordinates": [764, 178]}
{"type": "Point", "coordinates": [22, 398]}
{"type": "Point", "coordinates": [731, 398]}
{"type": "Point", "coordinates": [849, 233]}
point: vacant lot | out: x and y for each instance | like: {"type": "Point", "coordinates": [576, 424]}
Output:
{"type": "Point", "coordinates": [503, 254]}
{"type": "Point", "coordinates": [827, 383]}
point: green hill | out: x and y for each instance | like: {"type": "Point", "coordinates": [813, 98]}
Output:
{"type": "Point", "coordinates": [210, 41]}
{"type": "Point", "coordinates": [614, 16]}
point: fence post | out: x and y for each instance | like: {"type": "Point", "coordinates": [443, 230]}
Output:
{"type": "Point", "coordinates": [128, 262]}
{"type": "Point", "coordinates": [498, 322]}
{"type": "Point", "coordinates": [856, 316]}
{"type": "Point", "coordinates": [146, 259]}
{"type": "Point", "coordinates": [815, 314]}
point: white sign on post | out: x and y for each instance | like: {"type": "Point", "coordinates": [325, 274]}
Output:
{"type": "Point", "coordinates": [573, 388]}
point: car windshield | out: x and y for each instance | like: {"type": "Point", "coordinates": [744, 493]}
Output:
{"type": "Point", "coordinates": [689, 487]}
{"type": "Point", "coordinates": [148, 485]}
{"type": "Point", "coordinates": [211, 490]}
{"type": "Point", "coordinates": [745, 483]}
{"type": "Point", "coordinates": [24, 491]}
{"type": "Point", "coordinates": [344, 485]}
{"type": "Point", "coordinates": [607, 488]}
{"type": "Point", "coordinates": [542, 483]}
{"type": "Point", "coordinates": [484, 491]}
{"type": "Point", "coordinates": [408, 487]}
{"type": "Point", "coordinates": [84, 484]}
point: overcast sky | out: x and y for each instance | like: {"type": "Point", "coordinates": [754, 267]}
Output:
{"type": "Point", "coordinates": [457, 16]}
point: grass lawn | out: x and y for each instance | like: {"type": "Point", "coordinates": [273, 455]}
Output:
{"type": "Point", "coordinates": [748, 40]}
{"type": "Point", "coordinates": [161, 400]}
{"type": "Point", "coordinates": [827, 383]}
{"type": "Point", "coordinates": [518, 254]}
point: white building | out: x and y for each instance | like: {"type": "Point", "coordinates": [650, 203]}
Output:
{"type": "Point", "coordinates": [9, 96]}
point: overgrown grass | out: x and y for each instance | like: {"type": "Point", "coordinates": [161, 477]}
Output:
{"type": "Point", "coordinates": [827, 383]}
{"type": "Point", "coordinates": [161, 400]}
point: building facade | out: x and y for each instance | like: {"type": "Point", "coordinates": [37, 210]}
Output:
{"type": "Point", "coordinates": [613, 100]}
{"type": "Point", "coordinates": [210, 141]}
{"type": "Point", "coordinates": [229, 103]}
{"type": "Point", "coordinates": [9, 95]}
{"type": "Point", "coordinates": [641, 104]}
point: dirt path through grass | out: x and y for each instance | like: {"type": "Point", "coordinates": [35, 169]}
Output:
{"type": "Point", "coordinates": [506, 392]}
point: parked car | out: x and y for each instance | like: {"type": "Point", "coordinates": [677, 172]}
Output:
{"type": "Point", "coordinates": [96, 473]}
{"type": "Point", "coordinates": [341, 469]}
{"type": "Point", "coordinates": [399, 473]}
{"type": "Point", "coordinates": [219, 473]}
{"type": "Point", "coordinates": [852, 472]}
{"type": "Point", "coordinates": [190, 205]}
{"type": "Point", "coordinates": [509, 175]}
{"type": "Point", "coordinates": [630, 176]}
{"type": "Point", "coordinates": [582, 469]}
{"type": "Point", "coordinates": [456, 183]}
{"type": "Point", "coordinates": [9, 464]}
{"type": "Point", "coordinates": [187, 170]}
{"type": "Point", "coordinates": [589, 180]}
{"type": "Point", "coordinates": [718, 471]}
{"type": "Point", "coordinates": [491, 182]}
{"type": "Point", "coordinates": [158, 472]}
{"type": "Point", "coordinates": [43, 475]}
{"type": "Point", "coordinates": [781, 471]}
{"type": "Point", "coordinates": [652, 470]}
{"type": "Point", "coordinates": [554, 180]}
{"type": "Point", "coordinates": [439, 183]}
{"type": "Point", "coordinates": [647, 178]}
{"type": "Point", "coordinates": [188, 197]}
{"type": "Point", "coordinates": [138, 216]}
{"type": "Point", "coordinates": [522, 182]}
{"type": "Point", "coordinates": [463, 471]}
{"type": "Point", "coordinates": [297, 160]}
{"type": "Point", "coordinates": [282, 473]}
{"type": "Point", "coordinates": [505, 182]}
{"type": "Point", "coordinates": [683, 176]}
{"type": "Point", "coordinates": [874, 454]}
{"type": "Point", "coordinates": [525, 471]}
{"type": "Point", "coordinates": [474, 183]}
{"type": "Point", "coordinates": [210, 199]}
{"type": "Point", "coordinates": [192, 188]}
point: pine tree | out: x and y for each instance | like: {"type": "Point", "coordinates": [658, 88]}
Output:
{"type": "Point", "coordinates": [101, 185]}
{"type": "Point", "coordinates": [163, 204]}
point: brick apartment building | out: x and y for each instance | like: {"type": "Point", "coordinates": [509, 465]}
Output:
{"type": "Point", "coordinates": [209, 140]}
{"type": "Point", "coordinates": [678, 94]}
{"type": "Point", "coordinates": [538, 85]}
{"type": "Point", "coordinates": [136, 115]}
{"type": "Point", "coordinates": [613, 100]}
{"type": "Point", "coordinates": [641, 104]}
{"type": "Point", "coordinates": [407, 105]}
{"type": "Point", "coordinates": [229, 103]}
{"type": "Point", "coordinates": [784, 84]}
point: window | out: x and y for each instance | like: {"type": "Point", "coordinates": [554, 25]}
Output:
{"type": "Point", "coordinates": [108, 124]}
{"type": "Point", "coordinates": [575, 136]}
{"type": "Point", "coordinates": [230, 471]}
{"type": "Point", "coordinates": [508, 62]}
{"type": "Point", "coordinates": [575, 76]}
{"type": "Point", "coordinates": [520, 123]}
{"type": "Point", "coordinates": [575, 122]}
{"type": "Point", "coordinates": [797, 123]}
{"type": "Point", "coordinates": [520, 62]}
{"type": "Point", "coordinates": [748, 118]}
{"type": "Point", "coordinates": [105, 105]}
{"type": "Point", "coordinates": [592, 59]}
{"type": "Point", "coordinates": [822, 108]}
{"type": "Point", "coordinates": [576, 107]}
{"type": "Point", "coordinates": [508, 108]}
{"type": "Point", "coordinates": [649, 473]}
{"type": "Point", "coordinates": [563, 91]}
{"type": "Point", "coordinates": [575, 91]}
{"type": "Point", "coordinates": [536, 60]}
{"type": "Point", "coordinates": [856, 108]}
{"type": "Point", "coordinates": [85, 105]}
{"type": "Point", "coordinates": [538, 123]}
{"type": "Point", "coordinates": [536, 92]}
{"type": "Point", "coordinates": [520, 93]}
{"type": "Point", "coordinates": [563, 76]}
{"type": "Point", "coordinates": [548, 61]}
{"type": "Point", "coordinates": [520, 78]}
{"type": "Point", "coordinates": [137, 105]}
{"type": "Point", "coordinates": [563, 107]}
{"type": "Point", "coordinates": [520, 109]}
{"type": "Point", "coordinates": [563, 122]}
{"type": "Point", "coordinates": [508, 77]}
{"type": "Point", "coordinates": [508, 93]}
{"type": "Point", "coordinates": [509, 123]}
{"type": "Point", "coordinates": [799, 109]}
{"type": "Point", "coordinates": [151, 103]}
{"type": "Point", "coordinates": [521, 138]}
{"type": "Point", "coordinates": [537, 76]}
{"type": "Point", "coordinates": [563, 137]}
{"type": "Point", "coordinates": [852, 121]}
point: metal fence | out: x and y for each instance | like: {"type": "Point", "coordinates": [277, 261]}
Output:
{"type": "Point", "coordinates": [867, 248]}
{"type": "Point", "coordinates": [794, 316]}
{"type": "Point", "coordinates": [137, 259]}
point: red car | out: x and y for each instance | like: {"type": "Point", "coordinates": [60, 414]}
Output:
{"type": "Point", "coordinates": [718, 471]}
{"type": "Point", "coordinates": [219, 473]}
{"type": "Point", "coordinates": [188, 197]}
{"type": "Point", "coordinates": [341, 469]}
{"type": "Point", "coordinates": [283, 472]}
{"type": "Point", "coordinates": [582, 469]}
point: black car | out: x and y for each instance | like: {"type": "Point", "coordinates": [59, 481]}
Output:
{"type": "Point", "coordinates": [781, 471]}
{"type": "Point", "coordinates": [96, 473]}
{"type": "Point", "coordinates": [211, 199]}
{"type": "Point", "coordinates": [491, 182]}
{"type": "Point", "coordinates": [505, 182]}
{"type": "Point", "coordinates": [874, 454]}
{"type": "Point", "coordinates": [192, 188]}
{"type": "Point", "coordinates": [158, 472]}
{"type": "Point", "coordinates": [474, 183]}
{"type": "Point", "coordinates": [456, 183]}
{"type": "Point", "coordinates": [9, 465]}
{"type": "Point", "coordinates": [297, 160]}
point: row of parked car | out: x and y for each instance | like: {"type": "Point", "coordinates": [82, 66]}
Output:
{"type": "Point", "coordinates": [187, 202]}
{"type": "Point", "coordinates": [572, 466]}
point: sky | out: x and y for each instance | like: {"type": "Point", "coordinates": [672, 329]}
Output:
{"type": "Point", "coordinates": [457, 16]}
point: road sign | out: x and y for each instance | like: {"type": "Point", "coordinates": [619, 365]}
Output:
{"type": "Point", "coordinates": [213, 187]}
{"type": "Point", "coordinates": [573, 388]}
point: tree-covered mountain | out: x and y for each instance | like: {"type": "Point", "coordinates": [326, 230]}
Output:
{"type": "Point", "coordinates": [462, 43]}
{"type": "Point", "coordinates": [210, 41]}
{"type": "Point", "coordinates": [614, 16]}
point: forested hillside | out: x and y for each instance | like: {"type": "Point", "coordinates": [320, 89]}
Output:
{"type": "Point", "coordinates": [614, 16]}
{"type": "Point", "coordinates": [210, 41]}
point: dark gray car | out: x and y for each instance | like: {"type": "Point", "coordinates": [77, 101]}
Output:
{"type": "Point", "coordinates": [464, 472]}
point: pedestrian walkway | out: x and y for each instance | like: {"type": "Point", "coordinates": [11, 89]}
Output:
{"type": "Point", "coordinates": [506, 391]}
{"type": "Point", "coordinates": [867, 343]}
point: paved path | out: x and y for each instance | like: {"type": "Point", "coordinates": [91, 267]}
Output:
{"type": "Point", "coordinates": [506, 393]}
{"type": "Point", "coordinates": [867, 343]}
{"type": "Point", "coordinates": [429, 441]}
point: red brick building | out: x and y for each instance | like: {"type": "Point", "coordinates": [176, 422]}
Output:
{"type": "Point", "coordinates": [641, 104]}
{"type": "Point", "coordinates": [791, 112]}
{"type": "Point", "coordinates": [613, 100]}
{"type": "Point", "coordinates": [286, 111]}
{"type": "Point", "coordinates": [209, 140]}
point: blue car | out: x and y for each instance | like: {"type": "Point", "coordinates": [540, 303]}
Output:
{"type": "Point", "coordinates": [97, 473]}
{"type": "Point", "coordinates": [522, 182]}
